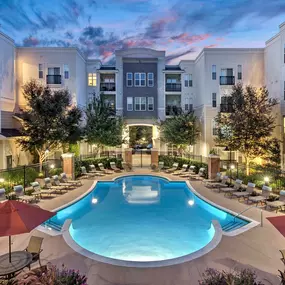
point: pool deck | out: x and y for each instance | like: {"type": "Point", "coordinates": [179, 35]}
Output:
{"type": "Point", "coordinates": [257, 248]}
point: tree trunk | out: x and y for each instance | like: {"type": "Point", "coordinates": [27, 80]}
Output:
{"type": "Point", "coordinates": [41, 160]}
{"type": "Point", "coordinates": [247, 166]}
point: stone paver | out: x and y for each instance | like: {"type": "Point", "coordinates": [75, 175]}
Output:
{"type": "Point", "coordinates": [256, 248]}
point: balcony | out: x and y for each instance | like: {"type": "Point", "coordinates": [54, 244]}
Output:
{"type": "Point", "coordinates": [173, 110]}
{"type": "Point", "coordinates": [109, 86]}
{"type": "Point", "coordinates": [173, 87]}
{"type": "Point", "coordinates": [53, 79]}
{"type": "Point", "coordinates": [227, 80]}
{"type": "Point", "coordinates": [226, 108]}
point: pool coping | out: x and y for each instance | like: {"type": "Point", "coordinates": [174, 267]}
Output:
{"type": "Point", "coordinates": [210, 246]}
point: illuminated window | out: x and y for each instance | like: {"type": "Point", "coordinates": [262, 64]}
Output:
{"type": "Point", "coordinates": [150, 103]}
{"type": "Point", "coordinates": [129, 103]}
{"type": "Point", "coordinates": [215, 130]}
{"type": "Point", "coordinates": [140, 103]}
{"type": "Point", "coordinates": [92, 79]}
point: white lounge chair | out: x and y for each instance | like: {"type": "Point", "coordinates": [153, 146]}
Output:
{"type": "Point", "coordinates": [219, 185]}
{"type": "Point", "coordinates": [191, 171]}
{"type": "Point", "coordinates": [56, 182]}
{"type": "Point", "coordinates": [64, 179]}
{"type": "Point", "coordinates": [200, 175]}
{"type": "Point", "coordinates": [278, 204]}
{"type": "Point", "coordinates": [217, 179]}
{"type": "Point", "coordinates": [38, 191]}
{"type": "Point", "coordinates": [86, 174]}
{"type": "Point", "coordinates": [230, 190]}
{"type": "Point", "coordinates": [183, 170]}
{"type": "Point", "coordinates": [160, 165]}
{"type": "Point", "coordinates": [2, 195]}
{"type": "Point", "coordinates": [173, 168]}
{"type": "Point", "coordinates": [114, 167]}
{"type": "Point", "coordinates": [48, 185]}
{"type": "Point", "coordinates": [244, 194]}
{"type": "Point", "coordinates": [102, 168]}
{"type": "Point", "coordinates": [266, 190]}
{"type": "Point", "coordinates": [92, 169]}
{"type": "Point", "coordinates": [19, 191]}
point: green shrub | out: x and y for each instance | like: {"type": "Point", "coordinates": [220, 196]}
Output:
{"type": "Point", "coordinates": [169, 160]}
{"type": "Point", "coordinates": [243, 277]}
{"type": "Point", "coordinates": [105, 160]}
{"type": "Point", "coordinates": [55, 171]}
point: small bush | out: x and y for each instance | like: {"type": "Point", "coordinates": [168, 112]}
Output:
{"type": "Point", "coordinates": [243, 277]}
{"type": "Point", "coordinates": [55, 171]}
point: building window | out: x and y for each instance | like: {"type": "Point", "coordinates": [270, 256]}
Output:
{"type": "Point", "coordinates": [150, 79]}
{"type": "Point", "coordinates": [66, 71]}
{"type": "Point", "coordinates": [188, 80]}
{"type": "Point", "coordinates": [92, 79]}
{"type": "Point", "coordinates": [129, 103]}
{"type": "Point", "coordinates": [129, 79]}
{"type": "Point", "coordinates": [140, 103]}
{"type": "Point", "coordinates": [214, 72]}
{"type": "Point", "coordinates": [215, 131]}
{"type": "Point", "coordinates": [150, 103]}
{"type": "Point", "coordinates": [190, 107]}
{"type": "Point", "coordinates": [140, 79]}
{"type": "Point", "coordinates": [53, 71]}
{"type": "Point", "coordinates": [41, 70]}
{"type": "Point", "coordinates": [214, 100]}
{"type": "Point", "coordinates": [239, 72]}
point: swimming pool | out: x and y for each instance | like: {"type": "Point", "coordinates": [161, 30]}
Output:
{"type": "Point", "coordinates": [143, 219]}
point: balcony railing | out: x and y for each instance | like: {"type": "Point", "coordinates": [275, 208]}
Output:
{"type": "Point", "coordinates": [173, 87]}
{"type": "Point", "coordinates": [226, 108]}
{"type": "Point", "coordinates": [227, 80]}
{"type": "Point", "coordinates": [110, 86]}
{"type": "Point", "coordinates": [53, 79]}
{"type": "Point", "coordinates": [173, 110]}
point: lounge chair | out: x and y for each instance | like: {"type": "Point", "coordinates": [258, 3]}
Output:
{"type": "Point", "coordinates": [48, 185]}
{"type": "Point", "coordinates": [200, 175]}
{"type": "Point", "coordinates": [278, 204]}
{"type": "Point", "coordinates": [38, 191]}
{"type": "Point", "coordinates": [56, 182]}
{"type": "Point", "coordinates": [106, 171]}
{"type": "Point", "coordinates": [64, 179]}
{"type": "Point", "coordinates": [19, 191]}
{"type": "Point", "coordinates": [114, 167]}
{"type": "Point", "coordinates": [219, 185]}
{"type": "Point", "coordinates": [126, 166]}
{"type": "Point", "coordinates": [93, 169]}
{"type": "Point", "coordinates": [217, 179]}
{"type": "Point", "coordinates": [230, 190]}
{"type": "Point", "coordinates": [86, 174]}
{"type": "Point", "coordinates": [35, 248]}
{"type": "Point", "coordinates": [244, 194]}
{"type": "Point", "coordinates": [2, 195]}
{"type": "Point", "coordinates": [261, 198]}
{"type": "Point", "coordinates": [173, 168]}
{"type": "Point", "coordinates": [191, 171]}
{"type": "Point", "coordinates": [160, 165]}
{"type": "Point", "coordinates": [182, 171]}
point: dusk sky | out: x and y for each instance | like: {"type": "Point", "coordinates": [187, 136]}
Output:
{"type": "Point", "coordinates": [180, 27]}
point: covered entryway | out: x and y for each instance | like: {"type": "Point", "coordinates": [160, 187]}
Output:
{"type": "Point", "coordinates": [141, 142]}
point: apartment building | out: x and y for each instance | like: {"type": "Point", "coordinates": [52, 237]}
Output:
{"type": "Point", "coordinates": [140, 86]}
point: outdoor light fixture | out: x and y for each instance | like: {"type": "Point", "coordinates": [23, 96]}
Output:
{"type": "Point", "coordinates": [47, 151]}
{"type": "Point", "coordinates": [191, 202]}
{"type": "Point", "coordinates": [52, 166]}
{"type": "Point", "coordinates": [2, 180]}
{"type": "Point", "coordinates": [232, 166]}
{"type": "Point", "coordinates": [94, 201]}
{"type": "Point", "coordinates": [266, 179]}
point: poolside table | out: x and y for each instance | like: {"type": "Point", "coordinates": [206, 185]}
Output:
{"type": "Point", "coordinates": [19, 260]}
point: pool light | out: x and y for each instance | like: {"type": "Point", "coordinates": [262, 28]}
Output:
{"type": "Point", "coordinates": [191, 202]}
{"type": "Point", "coordinates": [94, 201]}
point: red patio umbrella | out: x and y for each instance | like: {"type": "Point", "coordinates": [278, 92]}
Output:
{"type": "Point", "coordinates": [19, 218]}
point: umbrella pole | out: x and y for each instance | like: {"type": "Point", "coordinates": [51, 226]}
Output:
{"type": "Point", "coordinates": [10, 249]}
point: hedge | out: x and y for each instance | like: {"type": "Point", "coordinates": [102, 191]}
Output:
{"type": "Point", "coordinates": [105, 160]}
{"type": "Point", "coordinates": [169, 160]}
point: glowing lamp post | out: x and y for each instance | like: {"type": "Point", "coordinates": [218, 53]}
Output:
{"type": "Point", "coordinates": [266, 180]}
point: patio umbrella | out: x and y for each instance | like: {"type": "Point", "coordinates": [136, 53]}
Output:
{"type": "Point", "coordinates": [19, 218]}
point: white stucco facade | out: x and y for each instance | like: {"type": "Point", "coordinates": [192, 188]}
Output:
{"type": "Point", "coordinates": [190, 85]}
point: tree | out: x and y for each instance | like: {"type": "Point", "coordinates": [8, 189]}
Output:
{"type": "Point", "coordinates": [49, 120]}
{"type": "Point", "coordinates": [248, 127]}
{"type": "Point", "coordinates": [181, 130]}
{"type": "Point", "coordinates": [103, 127]}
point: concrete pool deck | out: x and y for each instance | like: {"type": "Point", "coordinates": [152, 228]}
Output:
{"type": "Point", "coordinates": [257, 248]}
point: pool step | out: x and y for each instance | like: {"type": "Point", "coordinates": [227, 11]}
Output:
{"type": "Point", "coordinates": [53, 225]}
{"type": "Point", "coordinates": [232, 226]}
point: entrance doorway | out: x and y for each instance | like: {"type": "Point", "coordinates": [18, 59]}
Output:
{"type": "Point", "coordinates": [141, 143]}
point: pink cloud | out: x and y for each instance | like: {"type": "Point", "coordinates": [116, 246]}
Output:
{"type": "Point", "coordinates": [211, 46]}
{"type": "Point", "coordinates": [188, 39]}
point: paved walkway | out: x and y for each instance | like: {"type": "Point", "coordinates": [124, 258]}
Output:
{"type": "Point", "coordinates": [256, 248]}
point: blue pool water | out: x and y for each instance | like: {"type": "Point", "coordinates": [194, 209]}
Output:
{"type": "Point", "coordinates": [143, 218]}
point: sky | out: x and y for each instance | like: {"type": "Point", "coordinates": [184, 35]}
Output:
{"type": "Point", "coordinates": [180, 27]}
